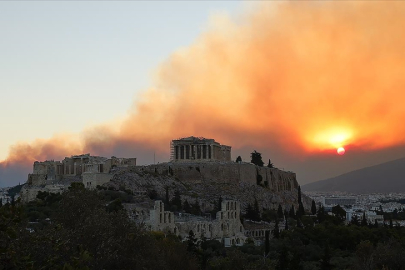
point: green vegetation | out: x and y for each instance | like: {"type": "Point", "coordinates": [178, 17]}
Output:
{"type": "Point", "coordinates": [256, 158]}
{"type": "Point", "coordinates": [82, 229]}
{"type": "Point", "coordinates": [270, 164]}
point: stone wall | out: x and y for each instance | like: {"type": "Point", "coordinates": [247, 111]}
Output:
{"type": "Point", "coordinates": [37, 179]}
{"type": "Point", "coordinates": [226, 228]}
{"type": "Point", "coordinates": [92, 180]}
{"type": "Point", "coordinates": [226, 172]}
{"type": "Point", "coordinates": [29, 193]}
{"type": "Point", "coordinates": [161, 220]}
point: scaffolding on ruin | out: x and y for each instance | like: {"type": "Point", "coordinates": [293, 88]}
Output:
{"type": "Point", "coordinates": [171, 151]}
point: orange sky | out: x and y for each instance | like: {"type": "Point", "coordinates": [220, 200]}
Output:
{"type": "Point", "coordinates": [304, 77]}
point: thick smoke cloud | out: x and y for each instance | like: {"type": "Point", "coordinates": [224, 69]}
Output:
{"type": "Point", "coordinates": [296, 78]}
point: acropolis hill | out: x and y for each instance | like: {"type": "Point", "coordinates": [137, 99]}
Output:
{"type": "Point", "coordinates": [201, 169]}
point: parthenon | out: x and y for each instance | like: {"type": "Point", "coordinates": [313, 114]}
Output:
{"type": "Point", "coordinates": [199, 149]}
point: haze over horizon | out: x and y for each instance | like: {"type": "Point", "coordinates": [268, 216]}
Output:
{"type": "Point", "coordinates": [292, 80]}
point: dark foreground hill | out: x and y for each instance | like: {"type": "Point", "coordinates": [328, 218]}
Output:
{"type": "Point", "coordinates": [385, 177]}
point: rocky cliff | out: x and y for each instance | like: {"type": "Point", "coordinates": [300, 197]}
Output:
{"type": "Point", "coordinates": [206, 182]}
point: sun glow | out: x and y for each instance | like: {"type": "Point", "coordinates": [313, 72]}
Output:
{"type": "Point", "coordinates": [332, 138]}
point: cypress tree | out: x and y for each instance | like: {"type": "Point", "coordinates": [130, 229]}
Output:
{"type": "Point", "coordinates": [176, 200]}
{"type": "Point", "coordinates": [276, 232]}
{"type": "Point", "coordinates": [270, 165]}
{"type": "Point", "coordinates": [195, 208]}
{"type": "Point", "coordinates": [186, 207]}
{"type": "Point", "coordinates": [313, 208]}
{"type": "Point", "coordinates": [364, 220]}
{"type": "Point", "coordinates": [280, 212]}
{"type": "Point", "coordinates": [292, 212]}
{"type": "Point", "coordinates": [249, 212]}
{"type": "Point", "coordinates": [256, 211]}
{"type": "Point", "coordinates": [267, 243]}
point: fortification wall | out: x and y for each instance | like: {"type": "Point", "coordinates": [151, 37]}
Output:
{"type": "Point", "coordinates": [37, 179]}
{"type": "Point", "coordinates": [226, 172]}
{"type": "Point", "coordinates": [92, 180]}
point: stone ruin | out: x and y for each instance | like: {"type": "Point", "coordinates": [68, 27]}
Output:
{"type": "Point", "coordinates": [198, 149]}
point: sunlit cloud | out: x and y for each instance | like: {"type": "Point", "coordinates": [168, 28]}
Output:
{"type": "Point", "coordinates": [306, 76]}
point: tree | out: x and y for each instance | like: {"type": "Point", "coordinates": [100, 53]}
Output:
{"type": "Point", "coordinates": [291, 214]}
{"type": "Point", "coordinates": [365, 255]}
{"type": "Point", "coordinates": [267, 243]}
{"type": "Point", "coordinates": [321, 214]}
{"type": "Point", "coordinates": [276, 231]}
{"type": "Point", "coordinates": [313, 208]}
{"type": "Point", "coordinates": [256, 211]}
{"type": "Point", "coordinates": [300, 211]}
{"type": "Point", "coordinates": [257, 158]}
{"type": "Point", "coordinates": [270, 165]}
{"type": "Point", "coordinates": [253, 213]}
{"type": "Point", "coordinates": [283, 261]}
{"type": "Point", "coordinates": [76, 186]}
{"type": "Point", "coordinates": [325, 262]}
{"type": "Point", "coordinates": [249, 212]}
{"type": "Point", "coordinates": [153, 194]}
{"type": "Point", "coordinates": [167, 195]}
{"type": "Point", "coordinates": [238, 159]}
{"type": "Point", "coordinates": [176, 200]}
{"type": "Point", "coordinates": [299, 223]}
{"type": "Point", "coordinates": [186, 207]}
{"type": "Point", "coordinates": [364, 220]}
{"type": "Point", "coordinates": [355, 220]}
{"type": "Point", "coordinates": [339, 212]}
{"type": "Point", "coordinates": [115, 206]}
{"type": "Point", "coordinates": [195, 208]}
{"type": "Point", "coordinates": [191, 242]}
{"type": "Point", "coordinates": [280, 212]}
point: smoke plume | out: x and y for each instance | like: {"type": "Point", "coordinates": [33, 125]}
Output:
{"type": "Point", "coordinates": [304, 77]}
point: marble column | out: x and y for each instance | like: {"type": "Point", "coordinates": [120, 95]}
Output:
{"type": "Point", "coordinates": [190, 151]}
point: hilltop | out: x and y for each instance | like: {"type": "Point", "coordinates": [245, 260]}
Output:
{"type": "Point", "coordinates": [207, 182]}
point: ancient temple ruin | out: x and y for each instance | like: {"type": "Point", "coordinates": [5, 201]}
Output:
{"type": "Point", "coordinates": [199, 149]}
{"type": "Point", "coordinates": [55, 176]}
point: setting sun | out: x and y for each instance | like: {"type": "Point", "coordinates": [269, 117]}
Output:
{"type": "Point", "coordinates": [341, 151]}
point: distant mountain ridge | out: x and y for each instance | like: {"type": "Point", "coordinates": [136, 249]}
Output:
{"type": "Point", "coordinates": [386, 177]}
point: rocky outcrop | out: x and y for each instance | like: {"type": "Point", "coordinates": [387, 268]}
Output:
{"type": "Point", "coordinates": [207, 182]}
